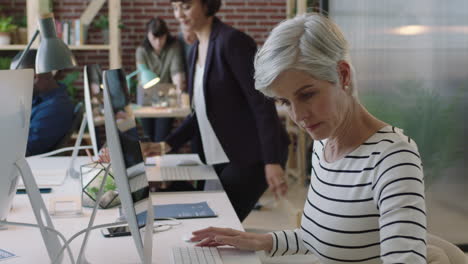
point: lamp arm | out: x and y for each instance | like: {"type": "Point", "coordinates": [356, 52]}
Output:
{"type": "Point", "coordinates": [26, 50]}
{"type": "Point", "coordinates": [128, 77]}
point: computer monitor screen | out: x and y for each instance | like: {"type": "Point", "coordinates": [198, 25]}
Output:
{"type": "Point", "coordinates": [94, 103]}
{"type": "Point", "coordinates": [123, 141]}
{"type": "Point", "coordinates": [16, 89]}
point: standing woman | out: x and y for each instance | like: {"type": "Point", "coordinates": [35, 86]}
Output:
{"type": "Point", "coordinates": [162, 54]}
{"type": "Point", "coordinates": [238, 128]}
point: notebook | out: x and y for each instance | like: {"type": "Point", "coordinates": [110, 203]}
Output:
{"type": "Point", "coordinates": [180, 211]}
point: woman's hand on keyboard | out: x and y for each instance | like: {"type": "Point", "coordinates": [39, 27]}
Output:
{"type": "Point", "coordinates": [215, 236]}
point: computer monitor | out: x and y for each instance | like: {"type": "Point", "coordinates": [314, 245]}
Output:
{"type": "Point", "coordinates": [94, 104]}
{"type": "Point", "coordinates": [126, 159]}
{"type": "Point", "coordinates": [16, 89]}
{"type": "Point", "coordinates": [15, 111]}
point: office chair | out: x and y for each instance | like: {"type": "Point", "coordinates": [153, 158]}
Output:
{"type": "Point", "coordinates": [440, 251]}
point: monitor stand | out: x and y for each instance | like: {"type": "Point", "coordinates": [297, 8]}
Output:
{"type": "Point", "coordinates": [71, 168]}
{"type": "Point", "coordinates": [51, 240]}
{"type": "Point", "coordinates": [69, 205]}
{"type": "Point", "coordinates": [148, 240]}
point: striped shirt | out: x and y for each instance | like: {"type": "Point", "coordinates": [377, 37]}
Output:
{"type": "Point", "coordinates": [367, 207]}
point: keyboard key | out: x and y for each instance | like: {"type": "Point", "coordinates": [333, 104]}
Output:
{"type": "Point", "coordinates": [196, 255]}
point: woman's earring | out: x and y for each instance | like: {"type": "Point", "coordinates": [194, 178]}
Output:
{"type": "Point", "coordinates": [346, 87]}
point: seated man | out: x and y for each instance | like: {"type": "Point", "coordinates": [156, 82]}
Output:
{"type": "Point", "coordinates": [51, 112]}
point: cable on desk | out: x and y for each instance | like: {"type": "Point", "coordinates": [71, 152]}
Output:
{"type": "Point", "coordinates": [156, 225]}
{"type": "Point", "coordinates": [109, 225]}
{"type": "Point", "coordinates": [81, 232]}
{"type": "Point", "coordinates": [70, 254]}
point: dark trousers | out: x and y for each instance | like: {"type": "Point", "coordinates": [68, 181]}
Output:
{"type": "Point", "coordinates": [244, 185]}
{"type": "Point", "coordinates": [157, 129]}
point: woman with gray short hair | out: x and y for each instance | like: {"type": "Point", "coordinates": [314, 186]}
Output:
{"type": "Point", "coordinates": [366, 198]}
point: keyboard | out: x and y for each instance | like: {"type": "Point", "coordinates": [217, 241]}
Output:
{"type": "Point", "coordinates": [196, 255]}
{"type": "Point", "coordinates": [175, 174]}
{"type": "Point", "coordinates": [190, 173]}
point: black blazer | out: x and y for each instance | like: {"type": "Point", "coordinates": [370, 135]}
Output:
{"type": "Point", "coordinates": [244, 120]}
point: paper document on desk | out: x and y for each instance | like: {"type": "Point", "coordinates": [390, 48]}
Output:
{"type": "Point", "coordinates": [46, 177]}
{"type": "Point", "coordinates": [173, 160]}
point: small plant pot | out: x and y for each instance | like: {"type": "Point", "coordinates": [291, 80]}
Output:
{"type": "Point", "coordinates": [22, 35]}
{"type": "Point", "coordinates": [5, 38]}
{"type": "Point", "coordinates": [105, 36]}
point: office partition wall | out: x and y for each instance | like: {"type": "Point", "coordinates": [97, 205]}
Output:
{"type": "Point", "coordinates": [411, 60]}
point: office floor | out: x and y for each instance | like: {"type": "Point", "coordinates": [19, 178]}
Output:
{"type": "Point", "coordinates": [278, 215]}
{"type": "Point", "coordinates": [283, 215]}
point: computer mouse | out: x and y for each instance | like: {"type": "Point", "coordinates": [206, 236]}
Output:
{"type": "Point", "coordinates": [187, 163]}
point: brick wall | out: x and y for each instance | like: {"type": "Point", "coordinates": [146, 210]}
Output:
{"type": "Point", "coordinates": [255, 17]}
{"type": "Point", "coordinates": [16, 8]}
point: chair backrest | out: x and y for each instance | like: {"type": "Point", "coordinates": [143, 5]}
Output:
{"type": "Point", "coordinates": [77, 118]}
{"type": "Point", "coordinates": [440, 251]}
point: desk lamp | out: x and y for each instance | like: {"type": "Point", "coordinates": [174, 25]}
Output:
{"type": "Point", "coordinates": [52, 53]}
{"type": "Point", "coordinates": [147, 77]}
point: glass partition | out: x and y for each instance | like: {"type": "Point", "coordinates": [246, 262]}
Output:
{"type": "Point", "coordinates": [411, 60]}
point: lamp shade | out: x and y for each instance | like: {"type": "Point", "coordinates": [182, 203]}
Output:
{"type": "Point", "coordinates": [52, 53]}
{"type": "Point", "coordinates": [147, 77]}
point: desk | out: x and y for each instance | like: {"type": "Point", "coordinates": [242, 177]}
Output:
{"type": "Point", "coordinates": [28, 245]}
{"type": "Point", "coordinates": [153, 112]}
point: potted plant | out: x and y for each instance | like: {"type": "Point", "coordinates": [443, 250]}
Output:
{"type": "Point", "coordinates": [6, 27]}
{"type": "Point", "coordinates": [5, 63]}
{"type": "Point", "coordinates": [102, 23]}
{"type": "Point", "coordinates": [22, 30]}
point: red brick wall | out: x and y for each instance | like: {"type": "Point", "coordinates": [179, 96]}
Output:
{"type": "Point", "coordinates": [255, 17]}
{"type": "Point", "coordinates": [14, 8]}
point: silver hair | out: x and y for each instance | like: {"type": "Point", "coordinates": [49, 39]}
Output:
{"type": "Point", "coordinates": [311, 43]}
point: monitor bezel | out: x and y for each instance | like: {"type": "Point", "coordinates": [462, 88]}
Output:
{"type": "Point", "coordinates": [120, 171]}
{"type": "Point", "coordinates": [89, 111]}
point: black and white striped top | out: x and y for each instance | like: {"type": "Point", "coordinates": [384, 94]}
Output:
{"type": "Point", "coordinates": [368, 207]}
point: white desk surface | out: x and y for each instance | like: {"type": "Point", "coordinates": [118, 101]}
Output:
{"type": "Point", "coordinates": [28, 245]}
{"type": "Point", "coordinates": [150, 112]}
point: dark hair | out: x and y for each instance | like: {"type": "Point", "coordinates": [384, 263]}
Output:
{"type": "Point", "coordinates": [212, 6]}
{"type": "Point", "coordinates": [29, 60]}
{"type": "Point", "coordinates": [158, 27]}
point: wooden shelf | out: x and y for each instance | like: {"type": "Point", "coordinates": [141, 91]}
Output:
{"type": "Point", "coordinates": [13, 47]}
{"type": "Point", "coordinates": [89, 47]}
{"type": "Point", "coordinates": [36, 7]}
{"type": "Point", "coordinates": [72, 47]}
